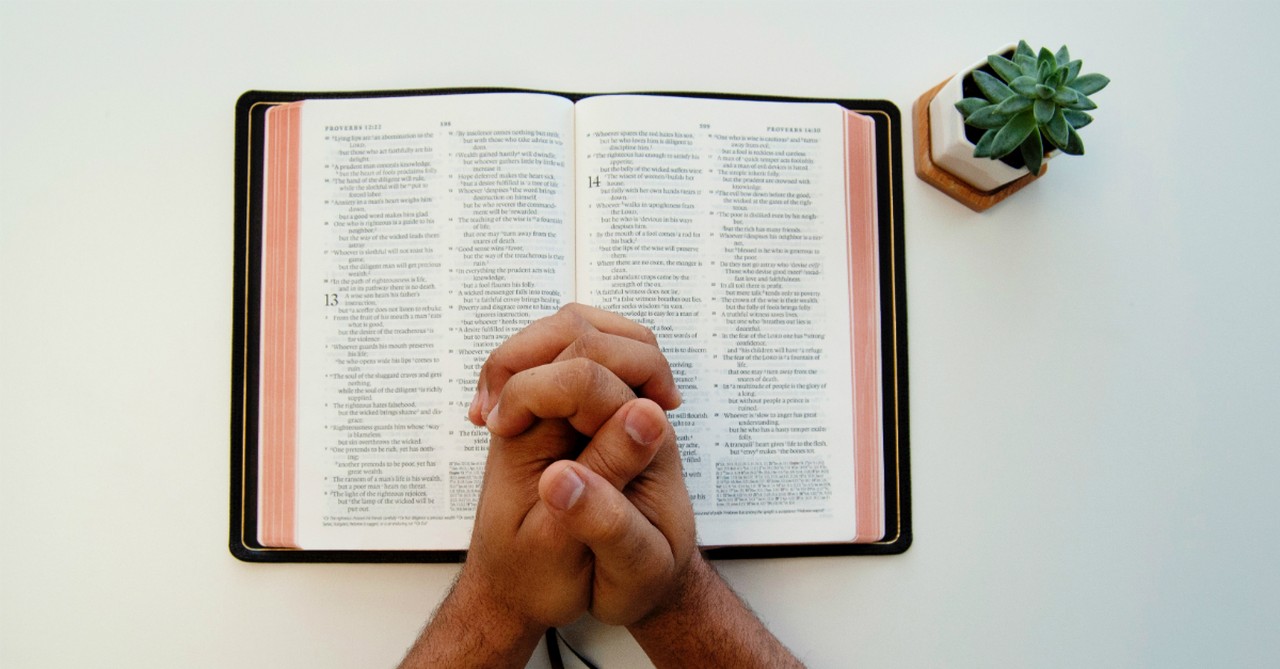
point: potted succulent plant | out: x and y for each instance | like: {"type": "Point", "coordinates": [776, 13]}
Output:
{"type": "Point", "coordinates": [985, 133]}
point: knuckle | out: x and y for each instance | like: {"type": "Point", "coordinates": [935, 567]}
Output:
{"type": "Point", "coordinates": [501, 358]}
{"type": "Point", "coordinates": [647, 335]}
{"type": "Point", "coordinates": [515, 386]}
{"type": "Point", "coordinates": [576, 374]}
{"type": "Point", "coordinates": [589, 345]}
{"type": "Point", "coordinates": [609, 466]}
{"type": "Point", "coordinates": [580, 348]}
{"type": "Point", "coordinates": [571, 313]}
{"type": "Point", "coordinates": [611, 525]}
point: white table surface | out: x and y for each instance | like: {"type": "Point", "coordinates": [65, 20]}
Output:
{"type": "Point", "coordinates": [1093, 364]}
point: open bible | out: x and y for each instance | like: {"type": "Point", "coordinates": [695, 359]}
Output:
{"type": "Point", "coordinates": [388, 242]}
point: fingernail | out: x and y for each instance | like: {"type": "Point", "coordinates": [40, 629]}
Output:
{"type": "Point", "coordinates": [641, 427]}
{"type": "Point", "coordinates": [565, 490]}
{"type": "Point", "coordinates": [492, 412]}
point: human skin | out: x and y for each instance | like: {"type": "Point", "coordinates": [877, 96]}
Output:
{"type": "Point", "coordinates": [584, 509]}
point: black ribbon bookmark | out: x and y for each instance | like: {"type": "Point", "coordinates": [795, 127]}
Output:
{"type": "Point", "coordinates": [554, 639]}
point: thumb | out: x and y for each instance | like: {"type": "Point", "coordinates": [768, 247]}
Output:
{"type": "Point", "coordinates": [593, 511]}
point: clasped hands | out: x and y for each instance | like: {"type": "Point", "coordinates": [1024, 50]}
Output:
{"type": "Point", "coordinates": [583, 506]}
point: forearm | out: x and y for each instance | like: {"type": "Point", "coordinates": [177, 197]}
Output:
{"type": "Point", "coordinates": [707, 625]}
{"type": "Point", "coordinates": [471, 629]}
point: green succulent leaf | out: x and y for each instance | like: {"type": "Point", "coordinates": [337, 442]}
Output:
{"type": "Point", "coordinates": [1026, 63]}
{"type": "Point", "coordinates": [1058, 79]}
{"type": "Point", "coordinates": [1077, 119]}
{"type": "Point", "coordinates": [1044, 92]}
{"type": "Point", "coordinates": [968, 106]}
{"type": "Point", "coordinates": [1044, 69]}
{"type": "Point", "coordinates": [1013, 105]}
{"type": "Point", "coordinates": [988, 118]}
{"type": "Point", "coordinates": [1024, 86]}
{"type": "Point", "coordinates": [1046, 58]}
{"type": "Point", "coordinates": [1013, 133]}
{"type": "Point", "coordinates": [1004, 67]}
{"type": "Point", "coordinates": [1088, 84]}
{"type": "Point", "coordinates": [1063, 57]}
{"type": "Point", "coordinates": [1032, 152]}
{"type": "Point", "coordinates": [1073, 70]}
{"type": "Point", "coordinates": [1082, 103]}
{"type": "Point", "coordinates": [995, 90]}
{"type": "Point", "coordinates": [1066, 96]}
{"type": "Point", "coordinates": [1024, 49]}
{"type": "Point", "coordinates": [983, 148]}
{"type": "Point", "coordinates": [1058, 128]}
{"type": "Point", "coordinates": [1074, 145]}
{"type": "Point", "coordinates": [1044, 110]}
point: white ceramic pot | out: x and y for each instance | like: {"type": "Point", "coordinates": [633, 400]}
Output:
{"type": "Point", "coordinates": [951, 150]}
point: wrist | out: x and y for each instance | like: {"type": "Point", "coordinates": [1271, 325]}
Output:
{"type": "Point", "coordinates": [686, 600]}
{"type": "Point", "coordinates": [473, 628]}
{"type": "Point", "coordinates": [502, 618]}
{"type": "Point", "coordinates": [706, 624]}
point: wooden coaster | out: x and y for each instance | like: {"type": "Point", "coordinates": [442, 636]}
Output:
{"type": "Point", "coordinates": [945, 181]}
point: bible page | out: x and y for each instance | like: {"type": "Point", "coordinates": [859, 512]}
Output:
{"type": "Point", "coordinates": [721, 225]}
{"type": "Point", "coordinates": [431, 228]}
